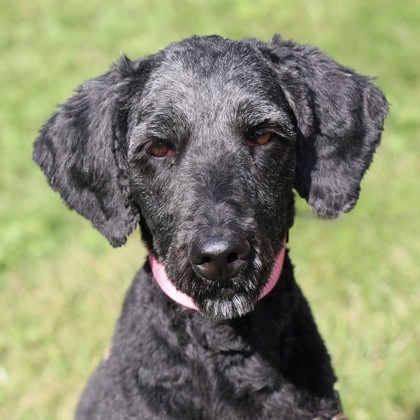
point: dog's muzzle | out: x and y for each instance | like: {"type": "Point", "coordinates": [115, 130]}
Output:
{"type": "Point", "coordinates": [159, 273]}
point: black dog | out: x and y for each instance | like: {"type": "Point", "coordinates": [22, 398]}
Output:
{"type": "Point", "coordinates": [202, 144]}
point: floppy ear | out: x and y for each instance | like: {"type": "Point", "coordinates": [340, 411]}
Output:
{"type": "Point", "coordinates": [340, 117]}
{"type": "Point", "coordinates": [82, 150]}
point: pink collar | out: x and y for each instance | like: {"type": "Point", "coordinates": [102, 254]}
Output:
{"type": "Point", "coordinates": [170, 290]}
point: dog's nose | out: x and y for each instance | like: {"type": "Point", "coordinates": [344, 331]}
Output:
{"type": "Point", "coordinates": [219, 257]}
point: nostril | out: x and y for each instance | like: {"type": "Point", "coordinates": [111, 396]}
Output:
{"type": "Point", "coordinates": [203, 260]}
{"type": "Point", "coordinates": [231, 258]}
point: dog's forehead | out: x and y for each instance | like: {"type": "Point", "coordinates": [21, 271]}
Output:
{"type": "Point", "coordinates": [207, 81]}
{"type": "Point", "coordinates": [209, 74]}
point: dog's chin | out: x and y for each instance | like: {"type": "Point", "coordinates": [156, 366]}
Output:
{"type": "Point", "coordinates": [226, 307]}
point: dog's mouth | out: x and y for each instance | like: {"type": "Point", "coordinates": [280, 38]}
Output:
{"type": "Point", "coordinates": [217, 302]}
{"type": "Point", "coordinates": [226, 293]}
{"type": "Point", "coordinates": [227, 304]}
{"type": "Point", "coordinates": [229, 300]}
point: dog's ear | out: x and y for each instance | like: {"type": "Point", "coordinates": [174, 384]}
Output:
{"type": "Point", "coordinates": [340, 117]}
{"type": "Point", "coordinates": [82, 149]}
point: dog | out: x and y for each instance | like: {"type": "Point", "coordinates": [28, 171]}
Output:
{"type": "Point", "coordinates": [203, 145]}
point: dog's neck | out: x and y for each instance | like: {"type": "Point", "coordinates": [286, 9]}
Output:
{"type": "Point", "coordinates": [159, 273]}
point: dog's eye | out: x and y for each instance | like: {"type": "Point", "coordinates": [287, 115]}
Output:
{"type": "Point", "coordinates": [259, 138]}
{"type": "Point", "coordinates": [160, 150]}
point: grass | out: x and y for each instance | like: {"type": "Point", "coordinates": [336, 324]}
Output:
{"type": "Point", "coordinates": [61, 285]}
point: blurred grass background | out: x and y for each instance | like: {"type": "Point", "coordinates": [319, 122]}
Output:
{"type": "Point", "coordinates": [61, 284]}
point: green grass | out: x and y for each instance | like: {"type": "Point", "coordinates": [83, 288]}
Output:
{"type": "Point", "coordinates": [61, 285]}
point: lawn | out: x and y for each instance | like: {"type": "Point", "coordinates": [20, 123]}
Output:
{"type": "Point", "coordinates": [61, 284]}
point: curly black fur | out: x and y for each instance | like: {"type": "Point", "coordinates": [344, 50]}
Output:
{"type": "Point", "coordinates": [198, 103]}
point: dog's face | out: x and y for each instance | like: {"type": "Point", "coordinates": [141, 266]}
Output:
{"type": "Point", "coordinates": [203, 142]}
{"type": "Point", "coordinates": [212, 161]}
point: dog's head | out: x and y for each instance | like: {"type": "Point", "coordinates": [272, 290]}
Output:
{"type": "Point", "coordinates": [202, 143]}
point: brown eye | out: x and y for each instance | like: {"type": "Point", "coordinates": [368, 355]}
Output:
{"type": "Point", "coordinates": [259, 138]}
{"type": "Point", "coordinates": [160, 150]}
